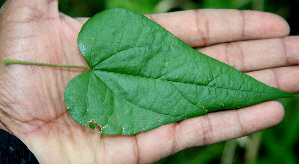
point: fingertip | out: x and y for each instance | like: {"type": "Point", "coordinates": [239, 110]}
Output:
{"type": "Point", "coordinates": [266, 24]}
{"type": "Point", "coordinates": [277, 111]}
{"type": "Point", "coordinates": [278, 25]}
{"type": "Point", "coordinates": [262, 116]}
{"type": "Point", "coordinates": [285, 27]}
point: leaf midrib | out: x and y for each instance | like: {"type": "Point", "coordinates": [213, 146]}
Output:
{"type": "Point", "coordinates": [181, 82]}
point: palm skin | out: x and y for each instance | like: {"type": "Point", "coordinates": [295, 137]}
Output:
{"type": "Point", "coordinates": [31, 98]}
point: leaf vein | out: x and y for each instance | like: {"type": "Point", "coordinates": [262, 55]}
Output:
{"type": "Point", "coordinates": [232, 89]}
{"type": "Point", "coordinates": [133, 103]}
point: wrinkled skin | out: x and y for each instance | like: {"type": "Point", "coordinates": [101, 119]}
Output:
{"type": "Point", "coordinates": [31, 97]}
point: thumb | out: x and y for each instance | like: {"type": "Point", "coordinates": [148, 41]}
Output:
{"type": "Point", "coordinates": [29, 10]}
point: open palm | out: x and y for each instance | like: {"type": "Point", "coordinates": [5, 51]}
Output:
{"type": "Point", "coordinates": [31, 98]}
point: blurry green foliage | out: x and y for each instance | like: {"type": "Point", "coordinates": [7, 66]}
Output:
{"type": "Point", "coordinates": [228, 4]}
{"type": "Point", "coordinates": [144, 6]}
{"type": "Point", "coordinates": [196, 155]}
{"type": "Point", "coordinates": [79, 8]}
{"type": "Point", "coordinates": [275, 145]}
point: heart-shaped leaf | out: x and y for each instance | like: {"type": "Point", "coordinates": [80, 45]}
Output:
{"type": "Point", "coordinates": [142, 76]}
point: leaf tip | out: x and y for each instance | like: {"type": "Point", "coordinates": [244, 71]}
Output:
{"type": "Point", "coordinates": [286, 95]}
{"type": "Point", "coordinates": [290, 95]}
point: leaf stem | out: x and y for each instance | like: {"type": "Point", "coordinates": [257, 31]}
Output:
{"type": "Point", "coordinates": [10, 61]}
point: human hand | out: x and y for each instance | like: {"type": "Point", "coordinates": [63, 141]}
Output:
{"type": "Point", "coordinates": [31, 99]}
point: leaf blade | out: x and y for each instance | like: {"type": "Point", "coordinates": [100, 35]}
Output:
{"type": "Point", "coordinates": [143, 77]}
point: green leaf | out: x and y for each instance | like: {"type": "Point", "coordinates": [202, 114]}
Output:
{"type": "Point", "coordinates": [142, 77]}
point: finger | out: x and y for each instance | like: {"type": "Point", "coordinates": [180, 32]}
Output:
{"type": "Point", "coordinates": [284, 78]}
{"type": "Point", "coordinates": [82, 20]}
{"type": "Point", "coordinates": [209, 129]}
{"type": "Point", "coordinates": [205, 27]}
{"type": "Point", "coordinates": [29, 10]}
{"type": "Point", "coordinates": [256, 55]}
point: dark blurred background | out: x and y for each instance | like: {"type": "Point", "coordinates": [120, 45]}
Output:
{"type": "Point", "coordinates": [278, 144]}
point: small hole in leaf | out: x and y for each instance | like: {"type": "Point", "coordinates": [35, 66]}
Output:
{"type": "Point", "coordinates": [94, 125]}
{"type": "Point", "coordinates": [91, 125]}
